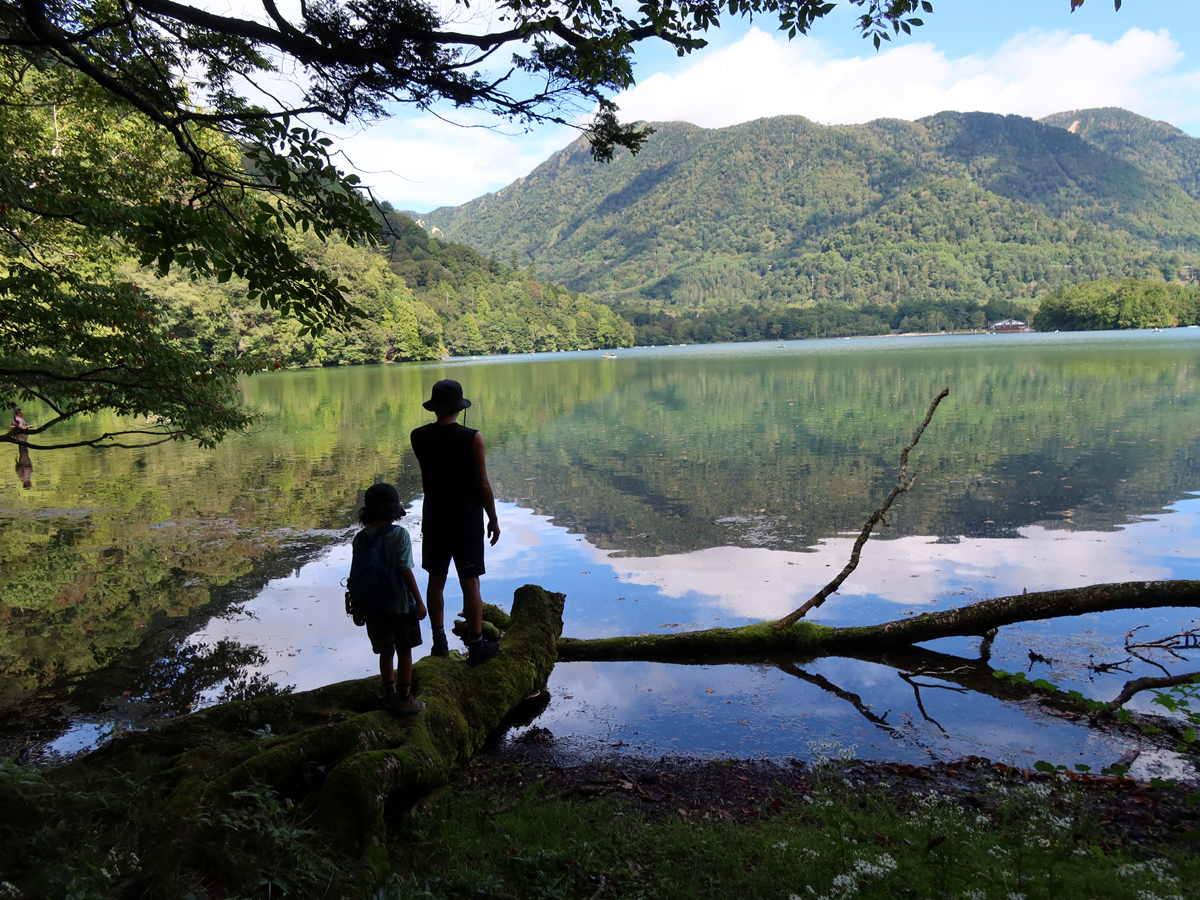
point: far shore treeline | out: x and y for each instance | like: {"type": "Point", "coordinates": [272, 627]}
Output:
{"type": "Point", "coordinates": [423, 299]}
{"type": "Point", "coordinates": [1101, 305]}
{"type": "Point", "coordinates": [954, 248]}
{"type": "Point", "coordinates": [1091, 306]}
{"type": "Point", "coordinates": [426, 298]}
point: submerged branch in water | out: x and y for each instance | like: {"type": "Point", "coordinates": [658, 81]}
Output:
{"type": "Point", "coordinates": [902, 486]}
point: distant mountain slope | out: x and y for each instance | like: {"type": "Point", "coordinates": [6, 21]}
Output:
{"type": "Point", "coordinates": [1155, 147]}
{"type": "Point", "coordinates": [778, 211]}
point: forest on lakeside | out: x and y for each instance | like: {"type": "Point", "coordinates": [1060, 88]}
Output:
{"type": "Point", "coordinates": [1101, 305]}
{"type": "Point", "coordinates": [963, 209]}
{"type": "Point", "coordinates": [423, 298]}
{"type": "Point", "coordinates": [825, 320]}
{"type": "Point", "coordinates": [1091, 306]}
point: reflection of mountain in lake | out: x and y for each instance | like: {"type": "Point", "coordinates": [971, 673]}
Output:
{"type": "Point", "coordinates": [650, 454]}
{"type": "Point", "coordinates": [786, 451]}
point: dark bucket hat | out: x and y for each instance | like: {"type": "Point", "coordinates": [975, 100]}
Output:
{"type": "Point", "coordinates": [381, 492]}
{"type": "Point", "coordinates": [445, 397]}
{"type": "Point", "coordinates": [382, 500]}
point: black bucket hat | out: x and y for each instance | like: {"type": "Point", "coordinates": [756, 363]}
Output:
{"type": "Point", "coordinates": [382, 500]}
{"type": "Point", "coordinates": [381, 492]}
{"type": "Point", "coordinates": [445, 397]}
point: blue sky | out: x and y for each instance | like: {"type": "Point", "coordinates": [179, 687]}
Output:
{"type": "Point", "coordinates": [1029, 57]}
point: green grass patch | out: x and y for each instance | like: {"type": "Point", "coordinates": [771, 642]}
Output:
{"type": "Point", "coordinates": [96, 834]}
{"type": "Point", "coordinates": [503, 831]}
{"type": "Point", "coordinates": [835, 840]}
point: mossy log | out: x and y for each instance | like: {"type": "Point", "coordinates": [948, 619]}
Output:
{"type": "Point", "coordinates": [337, 747]}
{"type": "Point", "coordinates": [801, 638]}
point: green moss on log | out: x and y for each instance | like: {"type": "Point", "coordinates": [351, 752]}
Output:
{"type": "Point", "coordinates": [337, 746]}
{"type": "Point", "coordinates": [495, 622]}
{"type": "Point", "coordinates": [760, 638]}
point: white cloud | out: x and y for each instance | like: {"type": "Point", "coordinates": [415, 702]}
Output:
{"type": "Point", "coordinates": [1033, 74]}
{"type": "Point", "coordinates": [421, 162]}
{"type": "Point", "coordinates": [910, 572]}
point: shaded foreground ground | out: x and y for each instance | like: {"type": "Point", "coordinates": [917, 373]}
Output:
{"type": "Point", "coordinates": [519, 823]}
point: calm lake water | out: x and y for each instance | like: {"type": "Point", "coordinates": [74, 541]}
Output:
{"type": "Point", "coordinates": [667, 489]}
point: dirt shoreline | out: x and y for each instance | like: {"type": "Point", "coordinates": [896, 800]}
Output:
{"type": "Point", "coordinates": [1129, 812]}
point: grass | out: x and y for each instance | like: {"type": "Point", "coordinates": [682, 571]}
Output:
{"type": "Point", "coordinates": [510, 833]}
{"type": "Point", "coordinates": [838, 840]}
{"type": "Point", "coordinates": [107, 835]}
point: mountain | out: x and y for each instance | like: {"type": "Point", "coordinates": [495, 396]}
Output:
{"type": "Point", "coordinates": [962, 207]}
{"type": "Point", "coordinates": [1155, 147]}
{"type": "Point", "coordinates": [423, 298]}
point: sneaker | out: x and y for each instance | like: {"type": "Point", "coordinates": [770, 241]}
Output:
{"type": "Point", "coordinates": [481, 651]}
{"type": "Point", "coordinates": [440, 646]}
{"type": "Point", "coordinates": [403, 706]}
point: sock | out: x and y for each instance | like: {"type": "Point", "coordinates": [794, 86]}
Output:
{"type": "Point", "coordinates": [389, 688]}
{"type": "Point", "coordinates": [403, 691]}
{"type": "Point", "coordinates": [439, 631]}
{"type": "Point", "coordinates": [476, 637]}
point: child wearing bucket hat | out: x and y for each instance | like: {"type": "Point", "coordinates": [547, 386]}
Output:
{"type": "Point", "coordinates": [382, 591]}
{"type": "Point", "coordinates": [457, 494]}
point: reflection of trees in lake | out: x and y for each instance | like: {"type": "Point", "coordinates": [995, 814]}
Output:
{"type": "Point", "coordinates": [787, 452]}
{"type": "Point", "coordinates": [115, 546]}
{"type": "Point", "coordinates": [648, 456]}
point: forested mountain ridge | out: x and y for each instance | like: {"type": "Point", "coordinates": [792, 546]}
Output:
{"type": "Point", "coordinates": [423, 298]}
{"type": "Point", "coordinates": [776, 212]}
{"type": "Point", "coordinates": [1158, 148]}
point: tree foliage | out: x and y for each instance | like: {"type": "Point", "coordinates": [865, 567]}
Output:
{"type": "Point", "coordinates": [139, 128]}
{"type": "Point", "coordinates": [1109, 304]}
{"type": "Point", "coordinates": [356, 59]}
{"type": "Point", "coordinates": [956, 208]}
{"type": "Point", "coordinates": [84, 185]}
{"type": "Point", "coordinates": [421, 298]}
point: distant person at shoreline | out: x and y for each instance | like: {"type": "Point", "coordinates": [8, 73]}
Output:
{"type": "Point", "coordinates": [385, 594]}
{"type": "Point", "coordinates": [20, 428]}
{"type": "Point", "coordinates": [457, 493]}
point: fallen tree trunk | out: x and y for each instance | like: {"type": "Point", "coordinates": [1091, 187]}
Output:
{"type": "Point", "coordinates": [764, 639]}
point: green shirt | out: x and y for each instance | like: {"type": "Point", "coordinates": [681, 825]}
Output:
{"type": "Point", "coordinates": [398, 545]}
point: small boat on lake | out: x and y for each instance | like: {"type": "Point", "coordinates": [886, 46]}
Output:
{"type": "Point", "coordinates": [609, 356]}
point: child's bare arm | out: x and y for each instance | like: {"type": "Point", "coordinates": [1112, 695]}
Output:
{"type": "Point", "coordinates": [410, 582]}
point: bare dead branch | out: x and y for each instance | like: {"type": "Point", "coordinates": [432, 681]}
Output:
{"type": "Point", "coordinates": [1150, 684]}
{"type": "Point", "coordinates": [103, 442]}
{"type": "Point", "coordinates": [902, 486]}
{"type": "Point", "coordinates": [1184, 640]}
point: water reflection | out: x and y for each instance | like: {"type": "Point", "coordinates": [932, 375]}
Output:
{"type": "Point", "coordinates": [670, 489]}
{"type": "Point", "coordinates": [940, 701]}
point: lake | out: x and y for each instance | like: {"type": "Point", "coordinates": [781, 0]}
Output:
{"type": "Point", "coordinates": [663, 490]}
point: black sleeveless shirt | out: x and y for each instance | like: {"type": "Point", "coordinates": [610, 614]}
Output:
{"type": "Point", "coordinates": [447, 458]}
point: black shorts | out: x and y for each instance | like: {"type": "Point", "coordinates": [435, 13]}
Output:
{"type": "Point", "coordinates": [399, 630]}
{"type": "Point", "coordinates": [466, 549]}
